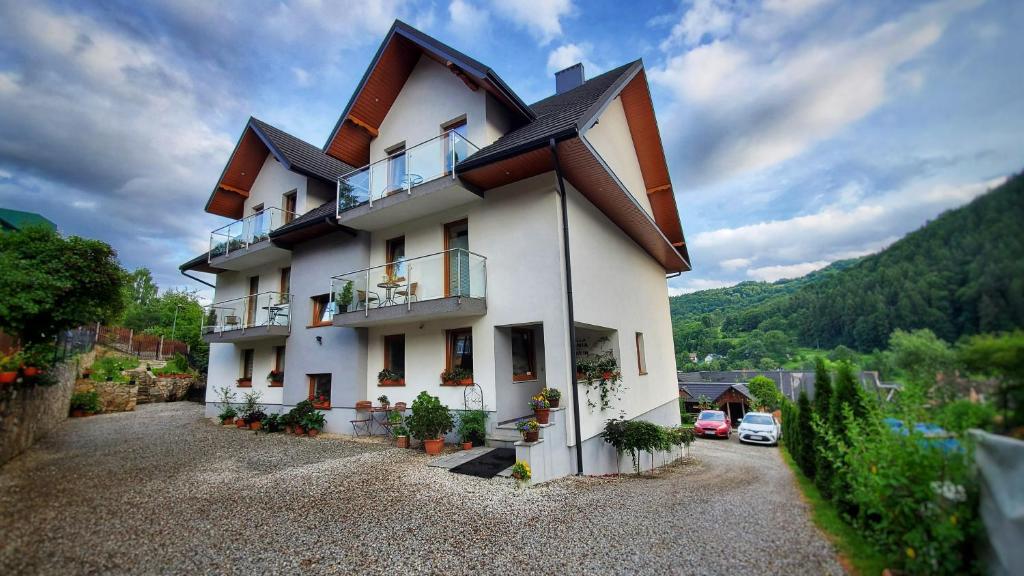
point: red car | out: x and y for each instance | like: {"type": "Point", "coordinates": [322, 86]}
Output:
{"type": "Point", "coordinates": [712, 423]}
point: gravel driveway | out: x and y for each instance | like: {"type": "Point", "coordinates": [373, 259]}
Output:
{"type": "Point", "coordinates": [163, 491]}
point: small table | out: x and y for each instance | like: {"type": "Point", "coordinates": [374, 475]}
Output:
{"type": "Point", "coordinates": [272, 312]}
{"type": "Point", "coordinates": [382, 422]}
{"type": "Point", "coordinates": [389, 293]}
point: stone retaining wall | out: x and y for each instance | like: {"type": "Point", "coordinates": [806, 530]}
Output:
{"type": "Point", "coordinates": [114, 396]}
{"type": "Point", "coordinates": [27, 414]}
{"type": "Point", "coordinates": [123, 397]}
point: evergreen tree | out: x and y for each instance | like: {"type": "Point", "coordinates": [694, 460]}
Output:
{"type": "Point", "coordinates": [847, 393]}
{"type": "Point", "coordinates": [805, 435]}
{"type": "Point", "coordinates": [823, 472]}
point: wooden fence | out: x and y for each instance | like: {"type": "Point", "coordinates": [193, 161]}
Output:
{"type": "Point", "coordinates": [139, 343]}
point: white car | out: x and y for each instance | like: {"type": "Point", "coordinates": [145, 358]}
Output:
{"type": "Point", "coordinates": [759, 428]}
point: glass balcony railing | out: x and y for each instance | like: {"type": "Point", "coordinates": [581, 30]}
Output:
{"type": "Point", "coordinates": [240, 234]}
{"type": "Point", "coordinates": [455, 272]}
{"type": "Point", "coordinates": [255, 311]}
{"type": "Point", "coordinates": [403, 171]}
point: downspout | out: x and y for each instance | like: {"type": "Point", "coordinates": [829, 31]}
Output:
{"type": "Point", "coordinates": [572, 318]}
{"type": "Point", "coordinates": [186, 275]}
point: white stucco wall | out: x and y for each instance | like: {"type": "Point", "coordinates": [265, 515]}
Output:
{"type": "Point", "coordinates": [610, 137]}
{"type": "Point", "coordinates": [272, 183]}
{"type": "Point", "coordinates": [618, 285]}
{"type": "Point", "coordinates": [432, 96]}
{"type": "Point", "coordinates": [516, 228]}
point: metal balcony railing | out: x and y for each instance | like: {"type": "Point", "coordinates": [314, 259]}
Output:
{"type": "Point", "coordinates": [452, 273]}
{"type": "Point", "coordinates": [404, 170]}
{"type": "Point", "coordinates": [241, 234]}
{"type": "Point", "coordinates": [248, 312]}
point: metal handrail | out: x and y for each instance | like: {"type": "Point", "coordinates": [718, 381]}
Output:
{"type": "Point", "coordinates": [408, 185]}
{"type": "Point", "coordinates": [247, 296]}
{"type": "Point", "coordinates": [252, 216]}
{"type": "Point", "coordinates": [284, 298]}
{"type": "Point", "coordinates": [247, 233]}
{"type": "Point", "coordinates": [407, 260]}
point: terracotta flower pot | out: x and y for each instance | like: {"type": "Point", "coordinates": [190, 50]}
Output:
{"type": "Point", "coordinates": [77, 413]}
{"type": "Point", "coordinates": [531, 435]}
{"type": "Point", "coordinates": [240, 423]}
{"type": "Point", "coordinates": [433, 446]}
{"type": "Point", "coordinates": [227, 421]}
{"type": "Point", "coordinates": [467, 445]}
{"type": "Point", "coordinates": [385, 407]}
{"type": "Point", "coordinates": [255, 425]}
{"type": "Point", "coordinates": [288, 429]}
{"type": "Point", "coordinates": [313, 432]}
{"type": "Point", "coordinates": [396, 382]}
{"type": "Point", "coordinates": [30, 371]}
{"type": "Point", "coordinates": [300, 431]}
{"type": "Point", "coordinates": [554, 403]}
{"type": "Point", "coordinates": [402, 441]}
{"type": "Point", "coordinates": [542, 415]}
{"type": "Point", "coordinates": [8, 377]}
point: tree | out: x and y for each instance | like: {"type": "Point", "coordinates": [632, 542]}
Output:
{"type": "Point", "coordinates": [140, 288]}
{"type": "Point", "coordinates": [805, 435]}
{"type": "Point", "coordinates": [822, 408]}
{"type": "Point", "coordinates": [49, 283]}
{"type": "Point", "coordinates": [766, 394]}
{"type": "Point", "coordinates": [920, 356]}
{"type": "Point", "coordinates": [1001, 356]}
{"type": "Point", "coordinates": [847, 393]}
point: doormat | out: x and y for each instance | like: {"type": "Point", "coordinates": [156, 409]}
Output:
{"type": "Point", "coordinates": [488, 465]}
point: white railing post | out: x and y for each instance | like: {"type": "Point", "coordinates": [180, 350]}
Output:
{"type": "Point", "coordinates": [408, 180]}
{"type": "Point", "coordinates": [458, 256]}
{"type": "Point", "coordinates": [408, 294]}
{"type": "Point", "coordinates": [369, 183]}
{"type": "Point", "coordinates": [366, 295]}
{"type": "Point", "coordinates": [451, 144]}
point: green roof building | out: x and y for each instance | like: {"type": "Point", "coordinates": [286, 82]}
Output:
{"type": "Point", "coordinates": [11, 220]}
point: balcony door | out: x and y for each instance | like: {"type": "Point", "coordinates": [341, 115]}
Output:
{"type": "Point", "coordinates": [454, 149]}
{"type": "Point", "coordinates": [254, 289]}
{"type": "Point", "coordinates": [456, 258]}
{"type": "Point", "coordinates": [396, 169]}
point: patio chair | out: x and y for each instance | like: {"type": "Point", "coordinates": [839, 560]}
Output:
{"type": "Point", "coordinates": [362, 298]}
{"type": "Point", "coordinates": [364, 417]}
{"type": "Point", "coordinates": [387, 425]}
{"type": "Point", "coordinates": [410, 294]}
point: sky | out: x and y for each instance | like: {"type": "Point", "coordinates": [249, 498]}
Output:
{"type": "Point", "coordinates": [797, 132]}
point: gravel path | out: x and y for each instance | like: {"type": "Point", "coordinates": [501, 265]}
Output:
{"type": "Point", "coordinates": [163, 491]}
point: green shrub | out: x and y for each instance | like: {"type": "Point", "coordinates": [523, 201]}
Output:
{"type": "Point", "coordinates": [822, 409]}
{"type": "Point", "coordinates": [960, 415]}
{"type": "Point", "coordinates": [636, 436]}
{"type": "Point", "coordinates": [177, 365]}
{"type": "Point", "coordinates": [473, 426]}
{"type": "Point", "coordinates": [110, 368]}
{"type": "Point", "coordinates": [86, 401]}
{"type": "Point", "coordinates": [765, 392]}
{"type": "Point", "coordinates": [805, 435]}
{"type": "Point", "coordinates": [430, 419]}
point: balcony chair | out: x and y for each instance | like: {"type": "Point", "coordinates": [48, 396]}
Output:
{"type": "Point", "coordinates": [399, 407]}
{"type": "Point", "coordinates": [411, 294]}
{"type": "Point", "coordinates": [361, 298]}
{"type": "Point", "coordinates": [231, 321]}
{"type": "Point", "coordinates": [364, 417]}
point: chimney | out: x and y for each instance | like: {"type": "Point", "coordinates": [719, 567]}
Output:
{"type": "Point", "coordinates": [569, 78]}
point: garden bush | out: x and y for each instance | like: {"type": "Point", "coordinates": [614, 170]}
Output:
{"type": "Point", "coordinates": [805, 435]}
{"type": "Point", "coordinates": [110, 368]}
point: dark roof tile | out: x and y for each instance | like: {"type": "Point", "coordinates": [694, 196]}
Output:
{"type": "Point", "coordinates": [301, 155]}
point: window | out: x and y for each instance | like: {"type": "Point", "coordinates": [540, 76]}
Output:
{"type": "Point", "coordinates": [523, 367]}
{"type": "Point", "coordinates": [320, 390]}
{"type": "Point", "coordinates": [278, 366]}
{"type": "Point", "coordinates": [455, 148]}
{"type": "Point", "coordinates": [248, 356]}
{"type": "Point", "coordinates": [641, 358]}
{"type": "Point", "coordinates": [396, 167]}
{"type": "Point", "coordinates": [460, 349]}
{"type": "Point", "coordinates": [396, 257]}
{"type": "Point", "coordinates": [394, 352]}
{"type": "Point", "coordinates": [321, 310]}
{"type": "Point", "coordinates": [289, 206]}
{"type": "Point", "coordinates": [286, 283]}
{"type": "Point", "coordinates": [250, 308]}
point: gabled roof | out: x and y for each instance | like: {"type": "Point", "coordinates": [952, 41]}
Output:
{"type": "Point", "coordinates": [384, 78]}
{"type": "Point", "coordinates": [713, 390]}
{"type": "Point", "coordinates": [16, 220]}
{"type": "Point", "coordinates": [257, 140]}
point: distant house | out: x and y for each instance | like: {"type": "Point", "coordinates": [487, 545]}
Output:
{"type": "Point", "coordinates": [733, 399]}
{"type": "Point", "coordinates": [13, 220]}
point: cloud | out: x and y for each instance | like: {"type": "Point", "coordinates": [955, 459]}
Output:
{"type": "Point", "coordinates": [793, 246]}
{"type": "Point", "coordinates": [745, 103]}
{"type": "Point", "coordinates": [468, 21]}
{"type": "Point", "coordinates": [773, 273]}
{"type": "Point", "coordinates": [705, 18]}
{"type": "Point", "coordinates": [568, 54]}
{"type": "Point", "coordinates": [689, 285]}
{"type": "Point", "coordinates": [541, 18]}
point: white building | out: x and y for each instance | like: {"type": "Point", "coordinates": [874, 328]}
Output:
{"type": "Point", "coordinates": [438, 201]}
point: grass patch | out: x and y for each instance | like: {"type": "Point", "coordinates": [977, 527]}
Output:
{"type": "Point", "coordinates": [857, 552]}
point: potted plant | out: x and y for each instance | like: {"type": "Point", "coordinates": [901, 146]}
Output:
{"type": "Point", "coordinates": [401, 436]}
{"type": "Point", "coordinates": [85, 404]}
{"type": "Point", "coordinates": [387, 377]}
{"type": "Point", "coordinates": [320, 402]}
{"type": "Point", "coordinates": [256, 418]}
{"type": "Point", "coordinates": [9, 368]}
{"type": "Point", "coordinates": [344, 298]}
{"type": "Point", "coordinates": [553, 396]}
{"type": "Point", "coordinates": [314, 422]}
{"type": "Point", "coordinates": [240, 422]}
{"type": "Point", "coordinates": [276, 377]}
{"type": "Point", "coordinates": [298, 414]}
{"type": "Point", "coordinates": [457, 377]}
{"type": "Point", "coordinates": [429, 422]}
{"type": "Point", "coordinates": [244, 382]}
{"type": "Point", "coordinates": [530, 430]}
{"type": "Point", "coordinates": [384, 402]}
{"type": "Point", "coordinates": [521, 471]}
{"type": "Point", "coordinates": [251, 410]}
{"type": "Point", "coordinates": [541, 408]}
{"type": "Point", "coordinates": [287, 422]}
{"type": "Point", "coordinates": [472, 428]}
{"type": "Point", "coordinates": [227, 416]}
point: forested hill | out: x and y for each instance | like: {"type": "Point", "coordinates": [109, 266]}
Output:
{"type": "Point", "coordinates": [962, 273]}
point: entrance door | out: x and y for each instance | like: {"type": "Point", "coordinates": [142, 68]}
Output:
{"type": "Point", "coordinates": [456, 258]}
{"type": "Point", "coordinates": [254, 289]}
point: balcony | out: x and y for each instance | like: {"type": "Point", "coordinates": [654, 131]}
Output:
{"type": "Point", "coordinates": [263, 316]}
{"type": "Point", "coordinates": [246, 243]}
{"type": "Point", "coordinates": [449, 284]}
{"type": "Point", "coordinates": [414, 182]}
